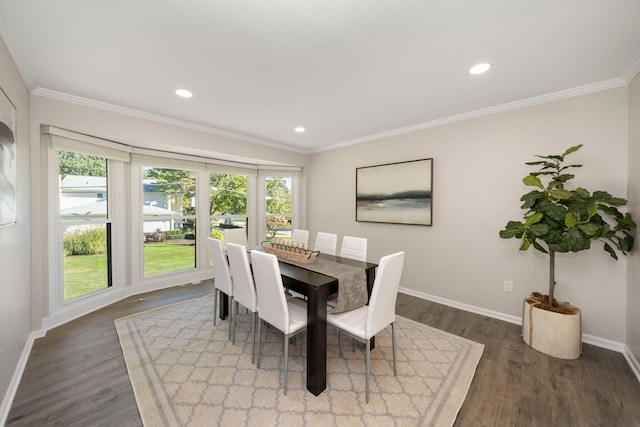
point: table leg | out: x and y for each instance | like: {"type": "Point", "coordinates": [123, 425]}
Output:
{"type": "Point", "coordinates": [223, 306]}
{"type": "Point", "coordinates": [371, 277]}
{"type": "Point", "coordinates": [317, 339]}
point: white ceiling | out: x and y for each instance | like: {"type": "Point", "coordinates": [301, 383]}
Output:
{"type": "Point", "coordinates": [346, 70]}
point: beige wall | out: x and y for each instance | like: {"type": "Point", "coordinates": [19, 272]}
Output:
{"type": "Point", "coordinates": [633, 280]}
{"type": "Point", "coordinates": [15, 240]}
{"type": "Point", "coordinates": [478, 168]}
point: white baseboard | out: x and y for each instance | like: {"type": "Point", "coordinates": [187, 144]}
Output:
{"type": "Point", "coordinates": [632, 361]}
{"type": "Point", "coordinates": [586, 338]}
{"type": "Point", "coordinates": [466, 307]}
{"type": "Point", "coordinates": [15, 381]}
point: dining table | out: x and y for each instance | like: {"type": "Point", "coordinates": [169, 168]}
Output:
{"type": "Point", "coordinates": [316, 287]}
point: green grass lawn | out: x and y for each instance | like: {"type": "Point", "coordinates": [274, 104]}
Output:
{"type": "Point", "coordinates": [161, 258]}
{"type": "Point", "coordinates": [84, 274]}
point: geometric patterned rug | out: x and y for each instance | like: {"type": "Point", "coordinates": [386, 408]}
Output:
{"type": "Point", "coordinates": [185, 372]}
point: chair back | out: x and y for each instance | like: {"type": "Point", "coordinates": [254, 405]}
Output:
{"type": "Point", "coordinates": [273, 303]}
{"type": "Point", "coordinates": [220, 266]}
{"type": "Point", "coordinates": [236, 235]}
{"type": "Point", "coordinates": [300, 236]}
{"type": "Point", "coordinates": [326, 243]}
{"type": "Point", "coordinates": [244, 290]}
{"type": "Point", "coordinates": [382, 305]}
{"type": "Point", "coordinates": [354, 248]}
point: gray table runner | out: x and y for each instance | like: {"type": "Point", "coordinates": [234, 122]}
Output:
{"type": "Point", "coordinates": [352, 282]}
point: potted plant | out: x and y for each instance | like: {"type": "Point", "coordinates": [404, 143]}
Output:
{"type": "Point", "coordinates": [559, 219]}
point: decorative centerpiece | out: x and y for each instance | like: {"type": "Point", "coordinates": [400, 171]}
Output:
{"type": "Point", "coordinates": [293, 251]}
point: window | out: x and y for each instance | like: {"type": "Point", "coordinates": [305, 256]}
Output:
{"type": "Point", "coordinates": [227, 203]}
{"type": "Point", "coordinates": [84, 223]}
{"type": "Point", "coordinates": [169, 220]}
{"type": "Point", "coordinates": [279, 212]}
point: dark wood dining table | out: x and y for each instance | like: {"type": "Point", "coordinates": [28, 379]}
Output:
{"type": "Point", "coordinates": [316, 287]}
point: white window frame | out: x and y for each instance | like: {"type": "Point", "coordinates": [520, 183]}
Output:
{"type": "Point", "coordinates": [57, 140]}
{"type": "Point", "coordinates": [296, 206]}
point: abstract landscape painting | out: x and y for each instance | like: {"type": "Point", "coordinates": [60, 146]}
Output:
{"type": "Point", "coordinates": [7, 160]}
{"type": "Point", "coordinates": [397, 193]}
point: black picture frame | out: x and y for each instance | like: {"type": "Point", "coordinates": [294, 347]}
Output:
{"type": "Point", "coordinates": [396, 193]}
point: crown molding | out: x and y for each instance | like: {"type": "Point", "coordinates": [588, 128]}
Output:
{"type": "Point", "coordinates": [570, 93]}
{"type": "Point", "coordinates": [555, 96]}
{"type": "Point", "coordinates": [85, 102]}
{"type": "Point", "coordinates": [632, 71]}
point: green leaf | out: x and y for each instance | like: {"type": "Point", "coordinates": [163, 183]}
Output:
{"type": "Point", "coordinates": [524, 245]}
{"type": "Point", "coordinates": [572, 150]}
{"type": "Point", "coordinates": [589, 229]}
{"type": "Point", "coordinates": [616, 201]}
{"type": "Point", "coordinates": [574, 242]}
{"type": "Point", "coordinates": [532, 219]}
{"type": "Point", "coordinates": [570, 220]}
{"type": "Point", "coordinates": [564, 177]}
{"type": "Point", "coordinates": [561, 194]}
{"type": "Point", "coordinates": [539, 230]}
{"type": "Point", "coordinates": [611, 251]}
{"type": "Point", "coordinates": [601, 195]}
{"type": "Point", "coordinates": [532, 181]}
{"type": "Point", "coordinates": [539, 247]}
{"type": "Point", "coordinates": [626, 243]}
{"type": "Point", "coordinates": [555, 212]}
{"type": "Point", "coordinates": [610, 210]}
{"type": "Point", "coordinates": [625, 223]}
{"type": "Point", "coordinates": [583, 193]}
{"type": "Point", "coordinates": [531, 198]}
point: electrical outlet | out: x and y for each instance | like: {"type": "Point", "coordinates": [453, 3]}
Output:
{"type": "Point", "coordinates": [508, 286]}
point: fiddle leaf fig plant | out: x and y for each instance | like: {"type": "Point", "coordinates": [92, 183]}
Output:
{"type": "Point", "coordinates": [559, 219]}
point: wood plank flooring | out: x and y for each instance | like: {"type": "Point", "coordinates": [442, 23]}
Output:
{"type": "Point", "coordinates": [76, 375]}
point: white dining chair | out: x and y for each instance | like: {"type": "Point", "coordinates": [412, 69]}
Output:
{"type": "Point", "coordinates": [244, 290]}
{"type": "Point", "coordinates": [354, 248]}
{"type": "Point", "coordinates": [326, 243]}
{"type": "Point", "coordinates": [365, 322]}
{"type": "Point", "coordinates": [221, 273]}
{"type": "Point", "coordinates": [287, 315]}
{"type": "Point", "coordinates": [236, 235]}
{"type": "Point", "coordinates": [300, 236]}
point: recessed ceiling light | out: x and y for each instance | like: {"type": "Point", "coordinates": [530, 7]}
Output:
{"type": "Point", "coordinates": [300, 129]}
{"type": "Point", "coordinates": [184, 93]}
{"type": "Point", "coordinates": [480, 68]}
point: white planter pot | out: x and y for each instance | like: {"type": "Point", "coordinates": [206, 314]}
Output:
{"type": "Point", "coordinates": [556, 334]}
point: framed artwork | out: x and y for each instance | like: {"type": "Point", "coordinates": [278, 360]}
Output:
{"type": "Point", "coordinates": [395, 193]}
{"type": "Point", "coordinates": [8, 123]}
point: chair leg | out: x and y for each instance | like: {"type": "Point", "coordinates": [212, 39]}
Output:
{"type": "Point", "coordinates": [215, 305]}
{"type": "Point", "coordinates": [286, 361]}
{"type": "Point", "coordinates": [234, 316]}
{"type": "Point", "coordinates": [393, 346]}
{"type": "Point", "coordinates": [259, 343]}
{"type": "Point", "coordinates": [230, 315]}
{"type": "Point", "coordinates": [253, 334]}
{"type": "Point", "coordinates": [367, 366]}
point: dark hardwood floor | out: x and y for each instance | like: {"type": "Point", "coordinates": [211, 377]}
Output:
{"type": "Point", "coordinates": [76, 375]}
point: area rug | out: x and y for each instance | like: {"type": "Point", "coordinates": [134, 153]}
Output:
{"type": "Point", "coordinates": [185, 372]}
